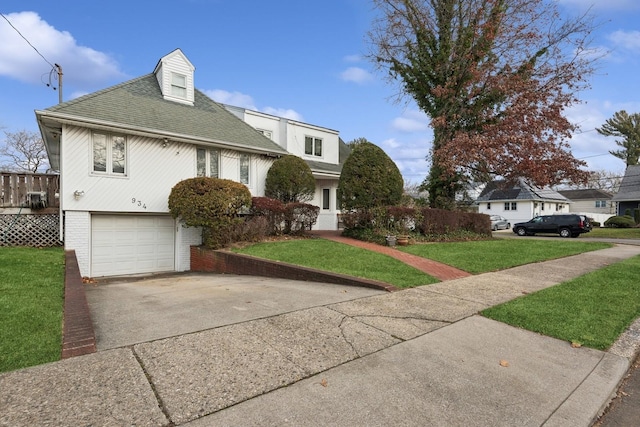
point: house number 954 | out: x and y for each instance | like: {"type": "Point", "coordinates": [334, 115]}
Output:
{"type": "Point", "coordinates": [139, 202]}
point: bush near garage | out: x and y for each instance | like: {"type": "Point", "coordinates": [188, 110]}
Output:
{"type": "Point", "coordinates": [624, 221]}
{"type": "Point", "coordinates": [214, 204]}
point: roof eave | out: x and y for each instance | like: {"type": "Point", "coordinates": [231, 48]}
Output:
{"type": "Point", "coordinates": [74, 120]}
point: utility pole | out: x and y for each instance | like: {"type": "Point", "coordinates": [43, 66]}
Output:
{"type": "Point", "coordinates": [59, 68]}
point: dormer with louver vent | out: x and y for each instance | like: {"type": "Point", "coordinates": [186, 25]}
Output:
{"type": "Point", "coordinates": [175, 77]}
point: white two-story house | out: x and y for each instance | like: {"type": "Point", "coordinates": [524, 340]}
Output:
{"type": "Point", "coordinates": [120, 151]}
{"type": "Point", "coordinates": [320, 147]}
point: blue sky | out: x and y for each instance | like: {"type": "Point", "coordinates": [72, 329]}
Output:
{"type": "Point", "coordinates": [294, 58]}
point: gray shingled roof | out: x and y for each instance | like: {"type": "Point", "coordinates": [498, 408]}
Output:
{"type": "Point", "coordinates": [630, 185]}
{"type": "Point", "coordinates": [586, 194]}
{"type": "Point", "coordinates": [518, 190]}
{"type": "Point", "coordinates": [138, 105]}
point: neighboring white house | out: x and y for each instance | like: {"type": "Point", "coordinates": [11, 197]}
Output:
{"type": "Point", "coordinates": [320, 147]}
{"type": "Point", "coordinates": [520, 201]}
{"type": "Point", "coordinates": [121, 150]}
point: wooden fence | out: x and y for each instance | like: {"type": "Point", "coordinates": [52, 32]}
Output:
{"type": "Point", "coordinates": [32, 190]}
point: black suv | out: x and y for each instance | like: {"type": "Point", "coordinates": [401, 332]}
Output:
{"type": "Point", "coordinates": [564, 225]}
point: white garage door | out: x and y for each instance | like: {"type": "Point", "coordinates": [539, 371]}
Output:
{"type": "Point", "coordinates": [131, 244]}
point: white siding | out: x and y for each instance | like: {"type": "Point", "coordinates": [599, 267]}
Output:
{"type": "Point", "coordinates": [296, 133]}
{"type": "Point", "coordinates": [152, 172]}
{"type": "Point", "coordinates": [186, 237]}
{"type": "Point", "coordinates": [77, 233]}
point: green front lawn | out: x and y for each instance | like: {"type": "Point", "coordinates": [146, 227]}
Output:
{"type": "Point", "coordinates": [490, 255]}
{"type": "Point", "coordinates": [592, 310]}
{"type": "Point", "coordinates": [31, 306]}
{"type": "Point", "coordinates": [340, 258]}
{"type": "Point", "coordinates": [613, 233]}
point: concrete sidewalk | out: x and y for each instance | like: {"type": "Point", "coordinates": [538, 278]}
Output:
{"type": "Point", "coordinates": [416, 357]}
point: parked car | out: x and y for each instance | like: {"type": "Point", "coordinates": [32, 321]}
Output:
{"type": "Point", "coordinates": [571, 225]}
{"type": "Point", "coordinates": [499, 223]}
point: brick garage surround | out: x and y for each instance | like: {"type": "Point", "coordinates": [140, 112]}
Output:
{"type": "Point", "coordinates": [217, 261]}
{"type": "Point", "coordinates": [78, 336]}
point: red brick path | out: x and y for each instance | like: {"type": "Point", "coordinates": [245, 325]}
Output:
{"type": "Point", "coordinates": [433, 268]}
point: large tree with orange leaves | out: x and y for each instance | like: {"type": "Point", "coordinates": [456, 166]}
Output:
{"type": "Point", "coordinates": [495, 77]}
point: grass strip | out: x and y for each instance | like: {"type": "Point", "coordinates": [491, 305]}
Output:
{"type": "Point", "coordinates": [340, 258]}
{"type": "Point", "coordinates": [31, 306]}
{"type": "Point", "coordinates": [592, 310]}
{"type": "Point", "coordinates": [484, 256]}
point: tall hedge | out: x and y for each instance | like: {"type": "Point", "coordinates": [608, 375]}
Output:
{"type": "Point", "coordinates": [369, 179]}
{"type": "Point", "coordinates": [290, 180]}
{"type": "Point", "coordinates": [212, 203]}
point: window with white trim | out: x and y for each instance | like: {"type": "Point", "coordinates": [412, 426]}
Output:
{"type": "Point", "coordinates": [208, 162]}
{"type": "Point", "coordinates": [601, 203]}
{"type": "Point", "coordinates": [313, 146]}
{"type": "Point", "coordinates": [510, 206]}
{"type": "Point", "coordinates": [245, 163]}
{"type": "Point", "coordinates": [178, 85]}
{"type": "Point", "coordinates": [109, 154]}
{"type": "Point", "coordinates": [488, 206]}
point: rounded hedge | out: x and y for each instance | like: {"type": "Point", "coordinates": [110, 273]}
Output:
{"type": "Point", "coordinates": [208, 202]}
{"type": "Point", "coordinates": [290, 180]}
{"type": "Point", "coordinates": [625, 221]}
{"type": "Point", "coordinates": [369, 179]}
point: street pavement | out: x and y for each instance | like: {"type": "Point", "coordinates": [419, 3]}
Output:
{"type": "Point", "coordinates": [420, 356]}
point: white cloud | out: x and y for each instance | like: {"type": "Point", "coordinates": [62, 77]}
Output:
{"type": "Point", "coordinates": [237, 99]}
{"type": "Point", "coordinates": [357, 75]}
{"type": "Point", "coordinates": [287, 113]}
{"type": "Point", "coordinates": [353, 58]}
{"type": "Point", "coordinates": [81, 66]}
{"type": "Point", "coordinates": [411, 121]}
{"type": "Point", "coordinates": [628, 40]}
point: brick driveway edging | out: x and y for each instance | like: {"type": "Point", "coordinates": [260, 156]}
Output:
{"type": "Point", "coordinates": [78, 336]}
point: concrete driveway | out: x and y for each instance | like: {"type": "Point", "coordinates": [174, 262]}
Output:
{"type": "Point", "coordinates": [129, 311]}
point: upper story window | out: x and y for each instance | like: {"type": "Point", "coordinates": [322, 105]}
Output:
{"type": "Point", "coordinates": [179, 85]}
{"type": "Point", "coordinates": [245, 162]}
{"type": "Point", "coordinates": [109, 154]}
{"type": "Point", "coordinates": [208, 162]}
{"type": "Point", "coordinates": [312, 146]}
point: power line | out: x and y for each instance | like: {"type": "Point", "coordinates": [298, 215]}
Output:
{"type": "Point", "coordinates": [25, 39]}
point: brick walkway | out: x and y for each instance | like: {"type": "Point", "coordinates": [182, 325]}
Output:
{"type": "Point", "coordinates": [433, 268]}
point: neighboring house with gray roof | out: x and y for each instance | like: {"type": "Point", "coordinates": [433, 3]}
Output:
{"type": "Point", "coordinates": [519, 201]}
{"type": "Point", "coordinates": [592, 202]}
{"type": "Point", "coordinates": [628, 196]}
{"type": "Point", "coordinates": [119, 152]}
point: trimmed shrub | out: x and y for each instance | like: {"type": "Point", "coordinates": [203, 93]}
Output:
{"type": "Point", "coordinates": [211, 203]}
{"type": "Point", "coordinates": [625, 221]}
{"type": "Point", "coordinates": [272, 210]}
{"type": "Point", "coordinates": [300, 217]}
{"type": "Point", "coordinates": [369, 179]}
{"type": "Point", "coordinates": [290, 180]}
{"type": "Point", "coordinates": [287, 218]}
